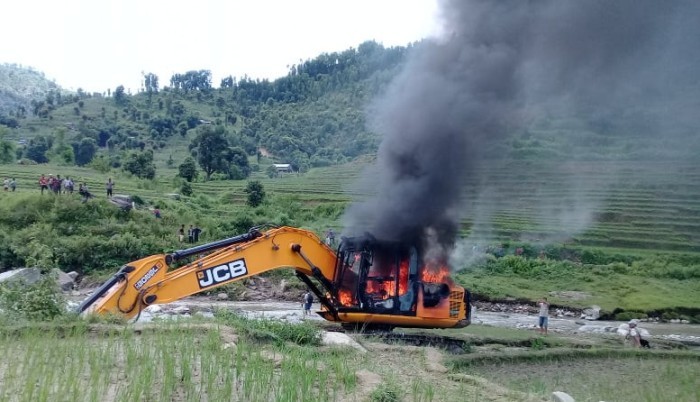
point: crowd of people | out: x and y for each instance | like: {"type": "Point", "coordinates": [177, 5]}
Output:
{"type": "Point", "coordinates": [57, 185]}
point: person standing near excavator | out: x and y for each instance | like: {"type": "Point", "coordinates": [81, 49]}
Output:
{"type": "Point", "coordinates": [307, 301]}
{"type": "Point", "coordinates": [543, 315]}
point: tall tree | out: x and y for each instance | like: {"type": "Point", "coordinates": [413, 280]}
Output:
{"type": "Point", "coordinates": [120, 96]}
{"type": "Point", "coordinates": [188, 169]}
{"type": "Point", "coordinates": [239, 167]}
{"type": "Point", "coordinates": [141, 164]}
{"type": "Point", "coordinates": [256, 193]}
{"type": "Point", "coordinates": [84, 151]}
{"type": "Point", "coordinates": [150, 83]}
{"type": "Point", "coordinates": [37, 148]}
{"type": "Point", "coordinates": [211, 149]}
{"type": "Point", "coordinates": [7, 148]}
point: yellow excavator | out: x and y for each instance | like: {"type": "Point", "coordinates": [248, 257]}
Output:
{"type": "Point", "coordinates": [364, 283]}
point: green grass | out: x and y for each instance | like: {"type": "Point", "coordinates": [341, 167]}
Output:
{"type": "Point", "coordinates": [171, 362]}
{"type": "Point", "coordinates": [607, 376]}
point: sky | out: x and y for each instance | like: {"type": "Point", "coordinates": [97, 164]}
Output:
{"type": "Point", "coordinates": [101, 44]}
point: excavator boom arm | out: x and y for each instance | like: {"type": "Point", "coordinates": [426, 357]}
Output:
{"type": "Point", "coordinates": [147, 281]}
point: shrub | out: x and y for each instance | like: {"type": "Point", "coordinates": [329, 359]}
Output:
{"type": "Point", "coordinates": [256, 193]}
{"type": "Point", "coordinates": [186, 189]}
{"type": "Point", "coordinates": [630, 315]}
{"type": "Point", "coordinates": [41, 300]}
{"type": "Point", "coordinates": [386, 392]}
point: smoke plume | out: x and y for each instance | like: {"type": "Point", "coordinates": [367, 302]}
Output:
{"type": "Point", "coordinates": [498, 67]}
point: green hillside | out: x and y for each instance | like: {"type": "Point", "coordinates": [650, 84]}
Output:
{"type": "Point", "coordinates": [19, 87]}
{"type": "Point", "coordinates": [559, 204]}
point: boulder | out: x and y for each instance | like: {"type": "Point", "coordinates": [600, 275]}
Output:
{"type": "Point", "coordinates": [338, 338]}
{"type": "Point", "coordinates": [122, 201]}
{"type": "Point", "coordinates": [558, 396]}
{"type": "Point", "coordinates": [65, 281]}
{"type": "Point", "coordinates": [73, 275]}
{"type": "Point", "coordinates": [591, 313]}
{"type": "Point", "coordinates": [33, 275]}
{"type": "Point", "coordinates": [26, 275]}
{"type": "Point", "coordinates": [222, 296]}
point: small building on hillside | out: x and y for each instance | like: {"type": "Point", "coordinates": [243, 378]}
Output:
{"type": "Point", "coordinates": [283, 167]}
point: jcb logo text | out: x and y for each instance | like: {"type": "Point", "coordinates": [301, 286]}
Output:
{"type": "Point", "coordinates": [222, 273]}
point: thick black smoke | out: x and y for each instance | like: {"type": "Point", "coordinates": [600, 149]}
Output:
{"type": "Point", "coordinates": [497, 66]}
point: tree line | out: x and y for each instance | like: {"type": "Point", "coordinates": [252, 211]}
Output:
{"type": "Point", "coordinates": [314, 116]}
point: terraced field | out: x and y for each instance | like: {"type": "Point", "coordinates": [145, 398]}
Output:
{"type": "Point", "coordinates": [615, 206]}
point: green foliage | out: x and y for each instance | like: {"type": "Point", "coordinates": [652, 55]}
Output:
{"type": "Point", "coordinates": [256, 193]}
{"type": "Point", "coordinates": [537, 344]}
{"type": "Point", "coordinates": [100, 164]}
{"type": "Point", "coordinates": [140, 164]}
{"type": "Point", "coordinates": [186, 189]}
{"type": "Point", "coordinates": [188, 169]}
{"type": "Point", "coordinates": [37, 149]}
{"type": "Point", "coordinates": [239, 168]}
{"type": "Point", "coordinates": [7, 149]}
{"type": "Point", "coordinates": [211, 147]}
{"type": "Point", "coordinates": [66, 233]}
{"type": "Point", "coordinates": [629, 315]}
{"type": "Point", "coordinates": [41, 300]}
{"type": "Point", "coordinates": [84, 151]}
{"type": "Point", "coordinates": [120, 97]}
{"type": "Point", "coordinates": [271, 171]}
{"type": "Point", "coordinates": [271, 330]}
{"type": "Point", "coordinates": [386, 392]}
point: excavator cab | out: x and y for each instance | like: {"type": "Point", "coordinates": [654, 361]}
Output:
{"type": "Point", "coordinates": [389, 283]}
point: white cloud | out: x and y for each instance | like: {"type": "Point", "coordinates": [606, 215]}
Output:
{"type": "Point", "coordinates": [102, 44]}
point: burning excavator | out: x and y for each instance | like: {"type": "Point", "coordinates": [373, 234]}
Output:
{"type": "Point", "coordinates": [364, 283]}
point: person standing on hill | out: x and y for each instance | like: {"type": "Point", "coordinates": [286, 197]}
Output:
{"type": "Point", "coordinates": [190, 234]}
{"type": "Point", "coordinates": [13, 184]}
{"type": "Point", "coordinates": [330, 238]}
{"type": "Point", "coordinates": [84, 192]}
{"type": "Point", "coordinates": [43, 184]}
{"type": "Point", "coordinates": [57, 182]}
{"type": "Point", "coordinates": [195, 233]}
{"type": "Point", "coordinates": [110, 187]}
{"type": "Point", "coordinates": [543, 315]}
{"type": "Point", "coordinates": [181, 233]}
{"type": "Point", "coordinates": [6, 184]}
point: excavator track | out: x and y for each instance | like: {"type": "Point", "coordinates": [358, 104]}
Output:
{"type": "Point", "coordinates": [448, 343]}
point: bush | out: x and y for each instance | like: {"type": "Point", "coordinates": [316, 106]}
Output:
{"type": "Point", "coordinates": [42, 300]}
{"type": "Point", "coordinates": [630, 315]}
{"type": "Point", "coordinates": [186, 189]}
{"type": "Point", "coordinates": [386, 392]}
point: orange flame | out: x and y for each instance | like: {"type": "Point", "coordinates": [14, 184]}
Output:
{"type": "Point", "coordinates": [387, 288]}
{"type": "Point", "coordinates": [403, 277]}
{"type": "Point", "coordinates": [435, 272]}
{"type": "Point", "coordinates": [345, 297]}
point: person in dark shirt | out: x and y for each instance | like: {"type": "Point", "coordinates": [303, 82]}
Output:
{"type": "Point", "coordinates": [196, 231]}
{"type": "Point", "coordinates": [110, 187]}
